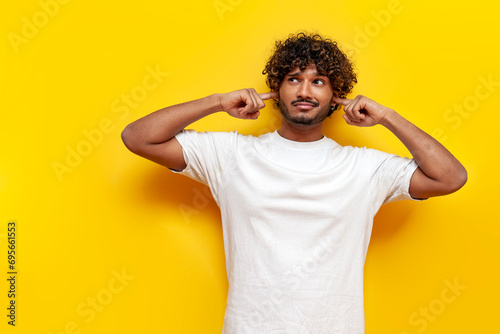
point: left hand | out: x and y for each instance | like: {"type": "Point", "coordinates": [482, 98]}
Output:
{"type": "Point", "coordinates": [362, 111]}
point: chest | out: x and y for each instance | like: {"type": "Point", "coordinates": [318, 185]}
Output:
{"type": "Point", "coordinates": [255, 183]}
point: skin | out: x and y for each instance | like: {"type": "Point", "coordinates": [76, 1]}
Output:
{"type": "Point", "coordinates": [439, 172]}
{"type": "Point", "coordinates": [303, 121]}
{"type": "Point", "coordinates": [304, 98]}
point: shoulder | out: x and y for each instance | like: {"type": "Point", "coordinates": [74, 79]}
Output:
{"type": "Point", "coordinates": [217, 139]}
{"type": "Point", "coordinates": [189, 135]}
{"type": "Point", "coordinates": [365, 152]}
{"type": "Point", "coordinates": [362, 156]}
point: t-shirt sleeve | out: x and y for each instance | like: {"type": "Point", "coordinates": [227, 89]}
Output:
{"type": "Point", "coordinates": [391, 176]}
{"type": "Point", "coordinates": [205, 154]}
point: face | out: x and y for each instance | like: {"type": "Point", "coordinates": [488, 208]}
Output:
{"type": "Point", "coordinates": [305, 97]}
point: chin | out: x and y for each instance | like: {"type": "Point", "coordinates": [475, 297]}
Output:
{"type": "Point", "coordinates": [304, 118]}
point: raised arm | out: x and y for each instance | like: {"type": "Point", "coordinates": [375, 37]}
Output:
{"type": "Point", "coordinates": [153, 136]}
{"type": "Point", "coordinates": [439, 172]}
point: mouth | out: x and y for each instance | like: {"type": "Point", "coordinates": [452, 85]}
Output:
{"type": "Point", "coordinates": [304, 105]}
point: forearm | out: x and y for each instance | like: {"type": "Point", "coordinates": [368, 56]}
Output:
{"type": "Point", "coordinates": [434, 160]}
{"type": "Point", "coordinates": [162, 125]}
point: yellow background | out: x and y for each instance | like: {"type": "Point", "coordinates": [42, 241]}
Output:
{"type": "Point", "coordinates": [114, 213]}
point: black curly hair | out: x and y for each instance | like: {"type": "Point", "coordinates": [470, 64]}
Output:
{"type": "Point", "coordinates": [303, 49]}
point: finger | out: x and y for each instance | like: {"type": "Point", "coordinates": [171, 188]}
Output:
{"type": "Point", "coordinates": [348, 105]}
{"type": "Point", "coordinates": [349, 111]}
{"type": "Point", "coordinates": [254, 115]}
{"type": "Point", "coordinates": [269, 95]}
{"type": "Point", "coordinates": [341, 101]}
{"type": "Point", "coordinates": [248, 104]}
{"type": "Point", "coordinates": [256, 101]}
{"type": "Point", "coordinates": [248, 109]}
{"type": "Point", "coordinates": [360, 109]}
{"type": "Point", "coordinates": [348, 120]}
{"type": "Point", "coordinates": [253, 102]}
{"type": "Point", "coordinates": [354, 110]}
{"type": "Point", "coordinates": [351, 120]}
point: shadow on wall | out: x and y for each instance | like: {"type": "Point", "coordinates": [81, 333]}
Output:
{"type": "Point", "coordinates": [390, 219]}
{"type": "Point", "coordinates": [193, 200]}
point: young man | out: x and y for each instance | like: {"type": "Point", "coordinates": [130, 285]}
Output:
{"type": "Point", "coordinates": [297, 208]}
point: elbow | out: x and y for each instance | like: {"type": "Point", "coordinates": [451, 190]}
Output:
{"type": "Point", "coordinates": [127, 136]}
{"type": "Point", "coordinates": [462, 178]}
{"type": "Point", "coordinates": [459, 180]}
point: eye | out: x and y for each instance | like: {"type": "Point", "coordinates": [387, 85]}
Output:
{"type": "Point", "coordinates": [319, 81]}
{"type": "Point", "coordinates": [293, 80]}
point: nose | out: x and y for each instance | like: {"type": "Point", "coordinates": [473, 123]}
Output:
{"type": "Point", "coordinates": [304, 91]}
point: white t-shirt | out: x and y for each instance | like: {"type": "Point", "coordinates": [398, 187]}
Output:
{"type": "Point", "coordinates": [297, 219]}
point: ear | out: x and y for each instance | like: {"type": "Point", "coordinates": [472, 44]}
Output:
{"type": "Point", "coordinates": [333, 104]}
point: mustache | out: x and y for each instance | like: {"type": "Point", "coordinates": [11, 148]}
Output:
{"type": "Point", "coordinates": [305, 101]}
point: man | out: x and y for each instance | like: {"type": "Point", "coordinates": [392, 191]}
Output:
{"type": "Point", "coordinates": [297, 208]}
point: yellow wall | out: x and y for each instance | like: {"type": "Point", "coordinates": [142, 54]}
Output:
{"type": "Point", "coordinates": [108, 242]}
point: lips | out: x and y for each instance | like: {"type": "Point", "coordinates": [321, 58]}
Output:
{"type": "Point", "coordinates": [304, 105]}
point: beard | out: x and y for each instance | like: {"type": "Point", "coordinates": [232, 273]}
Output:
{"type": "Point", "coordinates": [303, 118]}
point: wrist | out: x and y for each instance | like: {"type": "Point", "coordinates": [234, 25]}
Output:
{"type": "Point", "coordinates": [214, 103]}
{"type": "Point", "coordinates": [390, 118]}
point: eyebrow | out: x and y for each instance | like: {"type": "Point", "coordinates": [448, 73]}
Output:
{"type": "Point", "coordinates": [299, 72]}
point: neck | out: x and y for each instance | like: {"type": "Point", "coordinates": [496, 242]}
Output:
{"type": "Point", "coordinates": [302, 133]}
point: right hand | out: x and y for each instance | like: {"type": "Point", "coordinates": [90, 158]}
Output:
{"type": "Point", "coordinates": [244, 103]}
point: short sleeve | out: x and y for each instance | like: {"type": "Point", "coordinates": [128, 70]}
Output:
{"type": "Point", "coordinates": [205, 154]}
{"type": "Point", "coordinates": [391, 177]}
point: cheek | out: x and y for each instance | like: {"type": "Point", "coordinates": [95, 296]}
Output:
{"type": "Point", "coordinates": [327, 97]}
{"type": "Point", "coordinates": [284, 96]}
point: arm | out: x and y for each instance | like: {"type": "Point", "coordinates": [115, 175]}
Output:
{"type": "Point", "coordinates": [153, 136]}
{"type": "Point", "coordinates": [439, 172]}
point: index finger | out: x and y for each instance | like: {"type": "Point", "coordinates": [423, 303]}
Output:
{"type": "Point", "coordinates": [268, 96]}
{"type": "Point", "coordinates": [341, 101]}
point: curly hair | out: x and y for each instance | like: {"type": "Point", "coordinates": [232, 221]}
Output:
{"type": "Point", "coordinates": [303, 49]}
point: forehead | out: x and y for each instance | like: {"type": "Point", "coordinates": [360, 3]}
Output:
{"type": "Point", "coordinates": [309, 70]}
